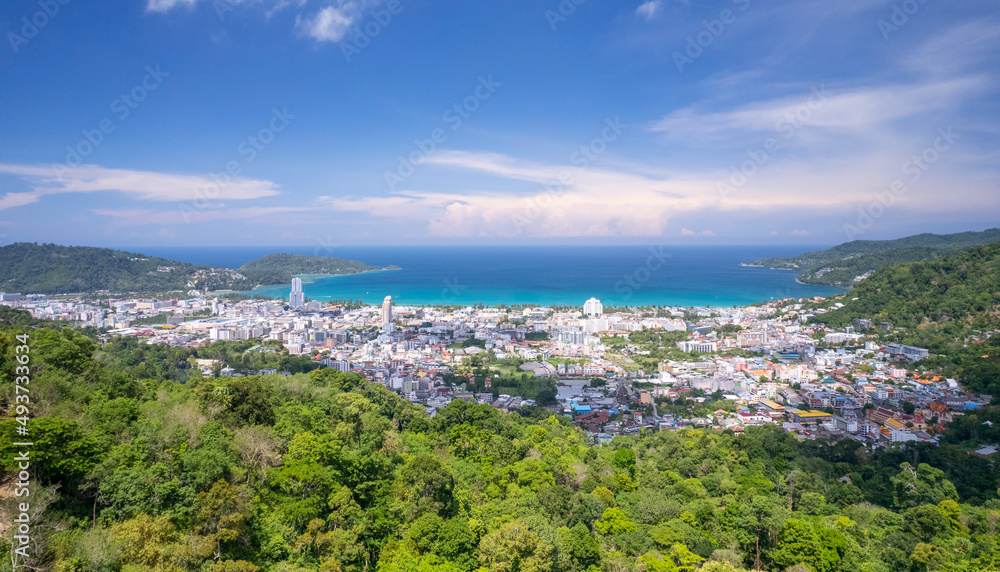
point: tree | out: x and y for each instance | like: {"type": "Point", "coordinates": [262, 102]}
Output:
{"type": "Point", "coordinates": [923, 485]}
{"type": "Point", "coordinates": [799, 543]}
{"type": "Point", "coordinates": [614, 521]}
{"type": "Point", "coordinates": [581, 546]}
{"type": "Point", "coordinates": [514, 547]}
{"type": "Point", "coordinates": [221, 515]}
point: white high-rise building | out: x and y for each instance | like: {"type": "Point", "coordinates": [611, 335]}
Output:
{"type": "Point", "coordinates": [593, 307]}
{"type": "Point", "coordinates": [297, 299]}
{"type": "Point", "coordinates": [387, 310]}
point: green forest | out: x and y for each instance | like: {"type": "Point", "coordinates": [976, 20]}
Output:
{"type": "Point", "coordinates": [324, 471]}
{"type": "Point", "coordinates": [846, 261]}
{"type": "Point", "coordinates": [281, 268]}
{"type": "Point", "coordinates": [52, 269]}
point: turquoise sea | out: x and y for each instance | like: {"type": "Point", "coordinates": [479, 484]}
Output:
{"type": "Point", "coordinates": [564, 275]}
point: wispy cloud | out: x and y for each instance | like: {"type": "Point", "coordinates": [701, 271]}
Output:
{"type": "Point", "coordinates": [143, 217]}
{"type": "Point", "coordinates": [857, 110]}
{"type": "Point", "coordinates": [328, 23]}
{"type": "Point", "coordinates": [142, 185]}
{"type": "Point", "coordinates": [648, 9]}
{"type": "Point", "coordinates": [166, 5]}
{"type": "Point", "coordinates": [597, 202]}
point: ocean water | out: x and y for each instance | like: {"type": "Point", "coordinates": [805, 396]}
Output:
{"type": "Point", "coordinates": [543, 275]}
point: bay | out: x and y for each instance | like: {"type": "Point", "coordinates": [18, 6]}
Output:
{"type": "Point", "coordinates": [538, 275]}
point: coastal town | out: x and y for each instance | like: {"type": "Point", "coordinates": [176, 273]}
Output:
{"type": "Point", "coordinates": [729, 368]}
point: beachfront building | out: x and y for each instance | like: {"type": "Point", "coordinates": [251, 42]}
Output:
{"type": "Point", "coordinates": [593, 307]}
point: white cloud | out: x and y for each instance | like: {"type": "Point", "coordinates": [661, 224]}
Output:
{"type": "Point", "coordinates": [11, 200]}
{"type": "Point", "coordinates": [648, 9]}
{"type": "Point", "coordinates": [166, 5]}
{"type": "Point", "coordinates": [329, 24]}
{"type": "Point", "coordinates": [142, 185]}
{"type": "Point", "coordinates": [689, 232]}
{"type": "Point", "coordinates": [630, 202]}
{"type": "Point", "coordinates": [858, 110]}
{"type": "Point", "coordinates": [142, 217]}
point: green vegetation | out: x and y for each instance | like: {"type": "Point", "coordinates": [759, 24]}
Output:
{"type": "Point", "coordinates": [941, 305]}
{"type": "Point", "coordinates": [954, 294]}
{"type": "Point", "coordinates": [840, 265]}
{"type": "Point", "coordinates": [52, 269]}
{"type": "Point", "coordinates": [281, 268]}
{"type": "Point", "coordinates": [324, 471]}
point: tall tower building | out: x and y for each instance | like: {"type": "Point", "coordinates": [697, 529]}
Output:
{"type": "Point", "coordinates": [593, 307]}
{"type": "Point", "coordinates": [296, 299]}
{"type": "Point", "coordinates": [387, 310]}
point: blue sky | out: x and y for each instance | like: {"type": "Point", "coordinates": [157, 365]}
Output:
{"type": "Point", "coordinates": [301, 122]}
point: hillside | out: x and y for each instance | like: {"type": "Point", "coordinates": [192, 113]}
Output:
{"type": "Point", "coordinates": [841, 265]}
{"type": "Point", "coordinates": [936, 303]}
{"type": "Point", "coordinates": [53, 269]}
{"type": "Point", "coordinates": [31, 268]}
{"type": "Point", "coordinates": [281, 268]}
{"type": "Point", "coordinates": [957, 292]}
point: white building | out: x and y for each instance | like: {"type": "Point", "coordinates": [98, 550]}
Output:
{"type": "Point", "coordinates": [593, 307]}
{"type": "Point", "coordinates": [700, 346]}
{"type": "Point", "coordinates": [387, 310]}
{"type": "Point", "coordinates": [748, 338]}
{"type": "Point", "coordinates": [297, 299]}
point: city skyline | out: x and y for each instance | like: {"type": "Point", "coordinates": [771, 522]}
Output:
{"type": "Point", "coordinates": [259, 122]}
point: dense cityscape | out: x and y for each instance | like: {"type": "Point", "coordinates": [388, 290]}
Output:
{"type": "Point", "coordinates": [812, 381]}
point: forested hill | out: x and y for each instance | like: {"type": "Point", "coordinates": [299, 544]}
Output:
{"type": "Point", "coordinates": [280, 268]}
{"type": "Point", "coordinates": [947, 305]}
{"type": "Point", "coordinates": [840, 265]}
{"type": "Point", "coordinates": [956, 293]}
{"type": "Point", "coordinates": [53, 269]}
{"type": "Point", "coordinates": [324, 471]}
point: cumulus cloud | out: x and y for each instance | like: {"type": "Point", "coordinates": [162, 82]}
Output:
{"type": "Point", "coordinates": [329, 24]}
{"type": "Point", "coordinates": [142, 185]}
{"type": "Point", "coordinates": [689, 232]}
